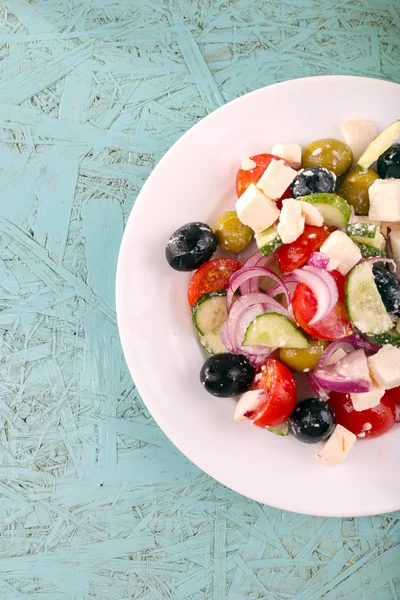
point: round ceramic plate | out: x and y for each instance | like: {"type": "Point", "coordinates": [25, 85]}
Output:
{"type": "Point", "coordinates": [195, 182]}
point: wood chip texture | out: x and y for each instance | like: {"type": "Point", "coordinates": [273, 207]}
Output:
{"type": "Point", "coordinates": [95, 503]}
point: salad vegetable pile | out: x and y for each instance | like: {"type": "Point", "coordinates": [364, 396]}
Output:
{"type": "Point", "coordinates": [305, 289]}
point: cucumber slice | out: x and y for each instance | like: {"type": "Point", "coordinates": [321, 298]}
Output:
{"type": "Point", "coordinates": [268, 240]}
{"type": "Point", "coordinates": [282, 429]}
{"type": "Point", "coordinates": [378, 146]}
{"type": "Point", "coordinates": [212, 342]}
{"type": "Point", "coordinates": [334, 209]}
{"type": "Point", "coordinates": [210, 312]}
{"type": "Point", "coordinates": [369, 251]}
{"type": "Point", "coordinates": [367, 234]}
{"type": "Point", "coordinates": [275, 331]}
{"type": "Point", "coordinates": [363, 302]}
{"type": "Point", "coordinates": [390, 337]}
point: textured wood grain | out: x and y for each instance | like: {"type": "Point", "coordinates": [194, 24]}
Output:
{"type": "Point", "coordinates": [94, 501]}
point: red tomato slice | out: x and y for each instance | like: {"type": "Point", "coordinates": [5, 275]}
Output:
{"type": "Point", "coordinates": [394, 393]}
{"type": "Point", "coordinates": [276, 379]}
{"type": "Point", "coordinates": [366, 423]}
{"type": "Point", "coordinates": [212, 276]}
{"type": "Point", "coordinates": [292, 256]}
{"type": "Point", "coordinates": [245, 178]}
{"type": "Point", "coordinates": [334, 326]}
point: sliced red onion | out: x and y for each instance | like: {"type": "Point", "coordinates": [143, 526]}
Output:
{"type": "Point", "coordinates": [317, 389]}
{"type": "Point", "coordinates": [225, 337]}
{"type": "Point", "coordinates": [322, 285]}
{"type": "Point", "coordinates": [349, 374]}
{"type": "Point", "coordinates": [319, 260]}
{"type": "Point", "coordinates": [244, 274]}
{"type": "Point", "coordinates": [343, 345]}
{"type": "Point", "coordinates": [356, 339]}
{"type": "Point", "coordinates": [379, 259]}
{"type": "Point", "coordinates": [255, 260]}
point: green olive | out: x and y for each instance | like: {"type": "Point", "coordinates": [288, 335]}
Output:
{"type": "Point", "coordinates": [306, 359]}
{"type": "Point", "coordinates": [231, 234]}
{"type": "Point", "coordinates": [329, 153]}
{"type": "Point", "coordinates": [354, 188]}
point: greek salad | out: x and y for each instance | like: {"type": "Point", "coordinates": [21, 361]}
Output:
{"type": "Point", "coordinates": [305, 285]}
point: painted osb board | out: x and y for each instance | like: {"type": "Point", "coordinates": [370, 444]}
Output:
{"type": "Point", "coordinates": [94, 500]}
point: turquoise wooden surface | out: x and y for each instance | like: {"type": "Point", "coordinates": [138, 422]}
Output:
{"type": "Point", "coordinates": [94, 501]}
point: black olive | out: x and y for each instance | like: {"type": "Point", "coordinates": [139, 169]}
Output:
{"type": "Point", "coordinates": [313, 180]}
{"type": "Point", "coordinates": [388, 285]}
{"type": "Point", "coordinates": [190, 246]}
{"type": "Point", "coordinates": [312, 421]}
{"type": "Point", "coordinates": [226, 375]}
{"type": "Point", "coordinates": [389, 163]}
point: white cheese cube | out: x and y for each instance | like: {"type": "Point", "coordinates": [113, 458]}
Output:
{"type": "Point", "coordinates": [337, 447]}
{"type": "Point", "coordinates": [385, 367]}
{"type": "Point", "coordinates": [256, 210]}
{"type": "Point", "coordinates": [358, 134]}
{"type": "Point", "coordinates": [246, 163]}
{"type": "Point", "coordinates": [384, 200]}
{"type": "Point", "coordinates": [248, 402]}
{"type": "Point", "coordinates": [339, 247]}
{"type": "Point", "coordinates": [291, 153]}
{"type": "Point", "coordinates": [311, 214]}
{"type": "Point", "coordinates": [276, 179]}
{"type": "Point", "coordinates": [367, 399]}
{"type": "Point", "coordinates": [291, 221]}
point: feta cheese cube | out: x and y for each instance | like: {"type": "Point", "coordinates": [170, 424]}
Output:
{"type": "Point", "coordinates": [291, 153]}
{"type": "Point", "coordinates": [291, 221]}
{"type": "Point", "coordinates": [341, 248]}
{"type": "Point", "coordinates": [256, 210]}
{"type": "Point", "coordinates": [311, 214]}
{"type": "Point", "coordinates": [385, 366]}
{"type": "Point", "coordinates": [337, 447]}
{"type": "Point", "coordinates": [384, 200]}
{"type": "Point", "coordinates": [358, 134]}
{"type": "Point", "coordinates": [276, 179]}
{"type": "Point", "coordinates": [367, 399]}
{"type": "Point", "coordinates": [246, 163]}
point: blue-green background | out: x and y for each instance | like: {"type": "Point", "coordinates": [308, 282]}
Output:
{"type": "Point", "coordinates": [95, 502]}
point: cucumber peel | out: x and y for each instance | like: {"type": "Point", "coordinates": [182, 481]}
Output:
{"type": "Point", "coordinates": [334, 209]}
{"type": "Point", "coordinates": [379, 145]}
{"type": "Point", "coordinates": [275, 331]}
{"type": "Point", "coordinates": [282, 429]}
{"type": "Point", "coordinates": [268, 240]}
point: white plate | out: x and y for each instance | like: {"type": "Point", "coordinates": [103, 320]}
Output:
{"type": "Point", "coordinates": [195, 181]}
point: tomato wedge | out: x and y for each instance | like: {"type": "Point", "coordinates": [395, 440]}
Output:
{"type": "Point", "coordinates": [334, 326]}
{"type": "Point", "coordinates": [394, 393]}
{"type": "Point", "coordinates": [366, 423]}
{"type": "Point", "coordinates": [292, 256]}
{"type": "Point", "coordinates": [276, 379]}
{"type": "Point", "coordinates": [245, 178]}
{"type": "Point", "coordinates": [212, 276]}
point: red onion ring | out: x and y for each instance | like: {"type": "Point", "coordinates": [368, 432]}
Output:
{"type": "Point", "coordinates": [347, 374]}
{"type": "Point", "coordinates": [255, 260]}
{"type": "Point", "coordinates": [244, 274]}
{"type": "Point", "coordinates": [322, 285]}
{"type": "Point", "coordinates": [317, 389]}
{"type": "Point", "coordinates": [319, 260]}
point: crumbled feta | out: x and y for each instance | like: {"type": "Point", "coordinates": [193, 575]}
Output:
{"type": "Point", "coordinates": [367, 399]}
{"type": "Point", "coordinates": [248, 402]}
{"type": "Point", "coordinates": [337, 447]}
{"type": "Point", "coordinates": [291, 153]}
{"type": "Point", "coordinates": [339, 247]}
{"type": "Point", "coordinates": [311, 214]}
{"type": "Point", "coordinates": [384, 200]}
{"type": "Point", "coordinates": [358, 134]}
{"type": "Point", "coordinates": [256, 210]}
{"type": "Point", "coordinates": [385, 366]}
{"type": "Point", "coordinates": [246, 163]}
{"type": "Point", "coordinates": [276, 179]}
{"type": "Point", "coordinates": [291, 221]}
